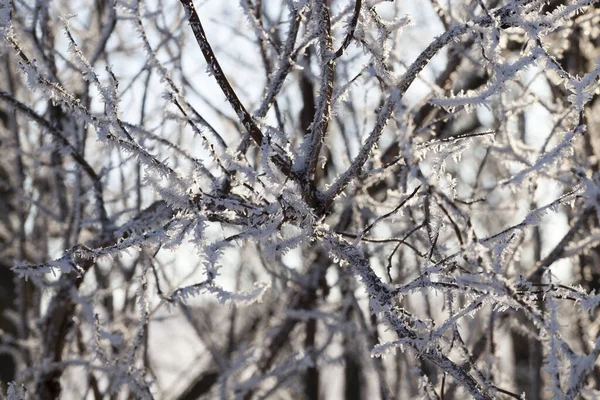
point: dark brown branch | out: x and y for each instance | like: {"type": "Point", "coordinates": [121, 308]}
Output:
{"type": "Point", "coordinates": [394, 211]}
{"type": "Point", "coordinates": [217, 71]}
{"type": "Point", "coordinates": [245, 118]}
{"type": "Point", "coordinates": [351, 29]}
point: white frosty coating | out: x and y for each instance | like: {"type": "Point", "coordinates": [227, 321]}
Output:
{"type": "Point", "coordinates": [320, 123]}
{"type": "Point", "coordinates": [254, 205]}
{"type": "Point", "coordinates": [15, 392]}
{"type": "Point", "coordinates": [381, 300]}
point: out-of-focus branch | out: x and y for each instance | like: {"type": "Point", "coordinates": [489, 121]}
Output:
{"type": "Point", "coordinates": [97, 183]}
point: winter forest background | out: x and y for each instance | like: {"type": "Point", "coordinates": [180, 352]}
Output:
{"type": "Point", "coordinates": [299, 199]}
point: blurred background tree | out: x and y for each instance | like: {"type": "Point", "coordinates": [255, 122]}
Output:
{"type": "Point", "coordinates": [299, 199]}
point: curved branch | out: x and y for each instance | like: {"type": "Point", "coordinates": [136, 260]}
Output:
{"type": "Point", "coordinates": [17, 105]}
{"type": "Point", "coordinates": [213, 64]}
{"type": "Point", "coordinates": [217, 71]}
{"type": "Point", "coordinates": [351, 29]}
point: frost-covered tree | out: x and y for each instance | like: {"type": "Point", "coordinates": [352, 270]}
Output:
{"type": "Point", "coordinates": [300, 199]}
